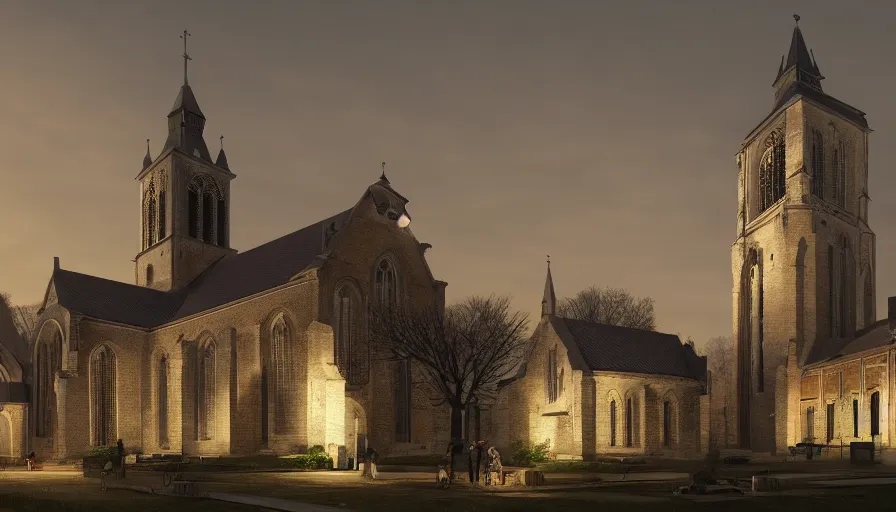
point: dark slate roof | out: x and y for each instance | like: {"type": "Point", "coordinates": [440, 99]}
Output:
{"type": "Point", "coordinates": [186, 100]}
{"type": "Point", "coordinates": [800, 89]}
{"type": "Point", "coordinates": [230, 279]}
{"type": "Point", "coordinates": [254, 271]}
{"type": "Point", "coordinates": [622, 349]}
{"type": "Point", "coordinates": [874, 336]}
{"type": "Point", "coordinates": [113, 300]}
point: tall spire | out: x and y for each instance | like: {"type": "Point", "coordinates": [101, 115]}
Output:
{"type": "Point", "coordinates": [221, 161]}
{"type": "Point", "coordinates": [798, 67]}
{"type": "Point", "coordinates": [549, 302]}
{"type": "Point", "coordinates": [186, 121]}
{"type": "Point", "coordinates": [147, 160]}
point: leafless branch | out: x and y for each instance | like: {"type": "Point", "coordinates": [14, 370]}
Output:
{"type": "Point", "coordinates": [614, 306]}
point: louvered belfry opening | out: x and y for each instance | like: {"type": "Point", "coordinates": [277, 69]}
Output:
{"type": "Point", "coordinates": [285, 366]}
{"type": "Point", "coordinates": [205, 393]}
{"type": "Point", "coordinates": [103, 397]}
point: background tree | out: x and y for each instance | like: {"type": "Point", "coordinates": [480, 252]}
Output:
{"type": "Point", "coordinates": [24, 318]}
{"type": "Point", "coordinates": [462, 353]}
{"type": "Point", "coordinates": [614, 306]}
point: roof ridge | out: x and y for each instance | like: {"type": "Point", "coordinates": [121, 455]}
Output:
{"type": "Point", "coordinates": [620, 327]}
{"type": "Point", "coordinates": [113, 281]}
{"type": "Point", "coordinates": [291, 233]}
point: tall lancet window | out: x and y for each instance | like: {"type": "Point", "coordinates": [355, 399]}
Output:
{"type": "Point", "coordinates": [49, 352]}
{"type": "Point", "coordinates": [222, 223]}
{"type": "Point", "coordinates": [385, 284]}
{"type": "Point", "coordinates": [193, 212]}
{"type": "Point", "coordinates": [103, 397]}
{"type": "Point", "coordinates": [163, 232]}
{"type": "Point", "coordinates": [344, 318]}
{"type": "Point", "coordinates": [208, 218]}
{"type": "Point", "coordinates": [162, 394]}
{"type": "Point", "coordinates": [817, 164]}
{"type": "Point", "coordinates": [552, 377]}
{"type": "Point", "coordinates": [844, 289]}
{"type": "Point", "coordinates": [840, 174]}
{"type": "Point", "coordinates": [149, 217]}
{"type": "Point", "coordinates": [284, 364]}
{"type": "Point", "coordinates": [771, 172]}
{"type": "Point", "coordinates": [205, 396]}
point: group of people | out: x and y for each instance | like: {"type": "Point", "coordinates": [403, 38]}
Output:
{"type": "Point", "coordinates": [475, 454]}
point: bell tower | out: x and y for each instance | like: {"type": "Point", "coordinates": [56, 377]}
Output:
{"type": "Point", "coordinates": [184, 200]}
{"type": "Point", "coordinates": [803, 258]}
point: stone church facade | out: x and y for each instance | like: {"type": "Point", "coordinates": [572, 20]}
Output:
{"type": "Point", "coordinates": [214, 352]}
{"type": "Point", "coordinates": [813, 364]}
{"type": "Point", "coordinates": [589, 390]}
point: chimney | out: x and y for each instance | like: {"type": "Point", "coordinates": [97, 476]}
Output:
{"type": "Point", "coordinates": [55, 262]}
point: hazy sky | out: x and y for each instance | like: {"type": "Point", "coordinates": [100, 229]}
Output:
{"type": "Point", "coordinates": [602, 133]}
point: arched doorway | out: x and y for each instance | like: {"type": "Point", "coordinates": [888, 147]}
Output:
{"type": "Point", "coordinates": [355, 431]}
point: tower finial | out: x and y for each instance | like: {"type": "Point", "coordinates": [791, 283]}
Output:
{"type": "Point", "coordinates": [383, 175]}
{"type": "Point", "coordinates": [796, 18]}
{"type": "Point", "coordinates": [147, 160]}
{"type": "Point", "coordinates": [549, 300]}
{"type": "Point", "coordinates": [549, 261]}
{"type": "Point", "coordinates": [147, 145]}
{"type": "Point", "coordinates": [222, 143]}
{"type": "Point", "coordinates": [186, 55]}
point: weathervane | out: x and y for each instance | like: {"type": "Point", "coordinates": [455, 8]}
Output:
{"type": "Point", "coordinates": [549, 260]}
{"type": "Point", "coordinates": [383, 176]}
{"type": "Point", "coordinates": [186, 55]}
{"type": "Point", "coordinates": [222, 143]}
{"type": "Point", "coordinates": [796, 18]}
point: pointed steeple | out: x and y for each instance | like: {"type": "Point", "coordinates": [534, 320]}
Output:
{"type": "Point", "coordinates": [147, 160]}
{"type": "Point", "coordinates": [797, 69]}
{"type": "Point", "coordinates": [221, 161]}
{"type": "Point", "coordinates": [549, 301]}
{"type": "Point", "coordinates": [186, 121]}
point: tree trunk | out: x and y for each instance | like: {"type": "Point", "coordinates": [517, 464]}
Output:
{"type": "Point", "coordinates": [456, 422]}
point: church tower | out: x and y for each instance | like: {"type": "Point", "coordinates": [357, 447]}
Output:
{"type": "Point", "coordinates": [184, 200]}
{"type": "Point", "coordinates": [803, 260]}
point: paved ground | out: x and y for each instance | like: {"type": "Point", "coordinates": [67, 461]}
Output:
{"type": "Point", "coordinates": [47, 492]}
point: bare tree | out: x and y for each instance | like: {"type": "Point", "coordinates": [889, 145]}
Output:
{"type": "Point", "coordinates": [614, 306]}
{"type": "Point", "coordinates": [462, 353]}
{"type": "Point", "coordinates": [24, 318]}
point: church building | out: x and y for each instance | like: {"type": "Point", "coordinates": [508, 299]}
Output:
{"type": "Point", "coordinates": [212, 351]}
{"type": "Point", "coordinates": [588, 389]}
{"type": "Point", "coordinates": [813, 365]}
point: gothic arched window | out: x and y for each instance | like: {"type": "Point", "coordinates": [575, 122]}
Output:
{"type": "Point", "coordinates": [385, 283]}
{"type": "Point", "coordinates": [817, 164]}
{"type": "Point", "coordinates": [203, 197]}
{"type": "Point", "coordinates": [208, 218]}
{"type": "Point", "coordinates": [103, 402]}
{"type": "Point", "coordinates": [840, 174]}
{"type": "Point", "coordinates": [552, 377]}
{"type": "Point", "coordinates": [193, 211]}
{"type": "Point", "coordinates": [613, 423]}
{"type": "Point", "coordinates": [162, 396]}
{"type": "Point", "coordinates": [844, 288]}
{"type": "Point", "coordinates": [47, 362]}
{"type": "Point", "coordinates": [284, 364]}
{"type": "Point", "coordinates": [162, 223]}
{"type": "Point", "coordinates": [771, 172]}
{"type": "Point", "coordinates": [222, 223]}
{"type": "Point", "coordinates": [205, 396]}
{"type": "Point", "coordinates": [149, 216]}
{"type": "Point", "coordinates": [351, 352]}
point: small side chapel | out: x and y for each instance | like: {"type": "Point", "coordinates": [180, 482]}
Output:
{"type": "Point", "coordinates": [212, 351]}
{"type": "Point", "coordinates": [589, 390]}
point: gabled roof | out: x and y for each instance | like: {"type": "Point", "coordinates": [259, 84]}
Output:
{"type": "Point", "coordinates": [622, 349]}
{"type": "Point", "coordinates": [876, 335]}
{"type": "Point", "coordinates": [232, 278]}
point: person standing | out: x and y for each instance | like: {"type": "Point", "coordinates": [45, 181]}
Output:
{"type": "Point", "coordinates": [119, 452]}
{"type": "Point", "coordinates": [31, 461]}
{"type": "Point", "coordinates": [470, 461]}
{"type": "Point", "coordinates": [480, 447]}
{"type": "Point", "coordinates": [372, 457]}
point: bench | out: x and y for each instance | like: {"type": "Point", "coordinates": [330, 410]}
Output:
{"type": "Point", "coordinates": [186, 488]}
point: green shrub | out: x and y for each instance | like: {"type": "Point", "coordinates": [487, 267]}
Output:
{"type": "Point", "coordinates": [103, 451]}
{"type": "Point", "coordinates": [521, 454]}
{"type": "Point", "coordinates": [317, 450]}
{"type": "Point", "coordinates": [309, 461]}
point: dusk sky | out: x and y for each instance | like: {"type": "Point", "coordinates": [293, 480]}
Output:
{"type": "Point", "coordinates": [602, 133]}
